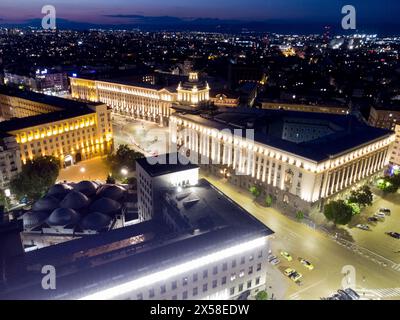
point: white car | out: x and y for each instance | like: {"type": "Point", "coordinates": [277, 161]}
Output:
{"type": "Point", "coordinates": [273, 260]}
{"type": "Point", "coordinates": [363, 227]}
{"type": "Point", "coordinates": [380, 215]}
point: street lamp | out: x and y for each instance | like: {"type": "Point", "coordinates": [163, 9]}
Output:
{"type": "Point", "coordinates": [82, 170]}
{"type": "Point", "coordinates": [124, 172]}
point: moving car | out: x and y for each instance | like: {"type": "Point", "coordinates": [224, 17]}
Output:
{"type": "Point", "coordinates": [306, 264]}
{"type": "Point", "coordinates": [286, 255]}
{"type": "Point", "coordinates": [351, 293]}
{"type": "Point", "coordinates": [395, 235]}
{"type": "Point", "coordinates": [293, 274]}
{"type": "Point", "coordinates": [373, 219]}
{"type": "Point", "coordinates": [363, 227]}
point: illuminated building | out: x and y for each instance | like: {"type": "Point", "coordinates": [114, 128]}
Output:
{"type": "Point", "coordinates": [45, 125]}
{"type": "Point", "coordinates": [199, 245]}
{"type": "Point", "coordinates": [141, 101]}
{"type": "Point", "coordinates": [296, 158]}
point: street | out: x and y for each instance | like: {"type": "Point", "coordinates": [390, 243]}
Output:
{"type": "Point", "coordinates": [326, 255]}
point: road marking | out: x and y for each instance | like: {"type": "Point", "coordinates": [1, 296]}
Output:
{"type": "Point", "coordinates": [396, 267]}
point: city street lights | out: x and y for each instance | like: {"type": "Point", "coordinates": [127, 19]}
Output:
{"type": "Point", "coordinates": [82, 170]}
{"type": "Point", "coordinates": [124, 172]}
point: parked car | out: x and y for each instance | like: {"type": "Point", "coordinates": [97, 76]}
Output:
{"type": "Point", "coordinates": [363, 227]}
{"type": "Point", "coordinates": [354, 295]}
{"type": "Point", "coordinates": [373, 219]}
{"type": "Point", "coordinates": [379, 215]}
{"type": "Point", "coordinates": [395, 235]}
{"type": "Point", "coordinates": [293, 274]}
{"type": "Point", "coordinates": [386, 211]}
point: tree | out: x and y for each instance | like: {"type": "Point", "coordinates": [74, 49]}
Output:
{"type": "Point", "coordinates": [339, 212]}
{"type": "Point", "coordinates": [110, 179]}
{"type": "Point", "coordinates": [262, 295]}
{"type": "Point", "coordinates": [362, 196]}
{"type": "Point", "coordinates": [299, 215]}
{"type": "Point", "coordinates": [268, 200]}
{"type": "Point", "coordinates": [255, 191]}
{"type": "Point", "coordinates": [124, 157]}
{"type": "Point", "coordinates": [388, 184]}
{"type": "Point", "coordinates": [36, 177]}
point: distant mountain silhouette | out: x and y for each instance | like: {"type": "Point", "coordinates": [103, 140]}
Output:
{"type": "Point", "coordinates": [169, 23]}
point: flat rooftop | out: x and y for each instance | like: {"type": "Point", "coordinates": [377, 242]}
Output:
{"type": "Point", "coordinates": [347, 132]}
{"type": "Point", "coordinates": [168, 163]}
{"type": "Point", "coordinates": [218, 223]}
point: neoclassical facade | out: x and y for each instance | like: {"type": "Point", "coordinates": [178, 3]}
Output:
{"type": "Point", "coordinates": [296, 173]}
{"type": "Point", "coordinates": [147, 102]}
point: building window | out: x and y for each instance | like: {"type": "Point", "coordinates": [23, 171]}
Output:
{"type": "Point", "coordinates": [139, 296]}
{"type": "Point", "coordinates": [233, 263]}
{"type": "Point", "coordinates": [205, 274]}
{"type": "Point", "coordinates": [242, 260]}
{"type": "Point", "coordinates": [214, 284]}
{"type": "Point", "coordinates": [224, 266]}
{"type": "Point", "coordinates": [233, 276]}
{"type": "Point", "coordinates": [151, 293]}
{"type": "Point", "coordinates": [241, 274]}
{"type": "Point", "coordinates": [223, 281]}
{"type": "Point", "coordinates": [257, 281]}
{"type": "Point", "coordinates": [249, 284]}
{"type": "Point", "coordinates": [232, 291]}
{"type": "Point", "coordinates": [241, 287]}
{"type": "Point", "coordinates": [258, 266]}
{"type": "Point", "coordinates": [215, 270]}
{"type": "Point", "coordinates": [195, 277]}
{"type": "Point", "coordinates": [184, 295]}
{"type": "Point", "coordinates": [185, 281]}
{"type": "Point", "coordinates": [163, 289]}
{"type": "Point", "coordinates": [205, 287]}
{"type": "Point", "coordinates": [174, 285]}
{"type": "Point", "coordinates": [250, 269]}
{"type": "Point", "coordinates": [195, 291]}
{"type": "Point", "coordinates": [260, 254]}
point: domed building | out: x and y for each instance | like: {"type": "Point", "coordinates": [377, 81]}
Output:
{"type": "Point", "coordinates": [111, 191]}
{"type": "Point", "coordinates": [59, 190]}
{"type": "Point", "coordinates": [106, 206]}
{"type": "Point", "coordinates": [47, 203]}
{"type": "Point", "coordinates": [88, 188]}
{"type": "Point", "coordinates": [34, 219]}
{"type": "Point", "coordinates": [75, 200]}
{"type": "Point", "coordinates": [96, 221]}
{"type": "Point", "coordinates": [62, 217]}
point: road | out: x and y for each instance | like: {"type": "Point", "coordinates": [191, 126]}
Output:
{"type": "Point", "coordinates": [327, 256]}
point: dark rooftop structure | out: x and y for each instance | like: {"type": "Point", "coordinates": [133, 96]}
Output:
{"type": "Point", "coordinates": [168, 163]}
{"type": "Point", "coordinates": [84, 266]}
{"type": "Point", "coordinates": [346, 132]}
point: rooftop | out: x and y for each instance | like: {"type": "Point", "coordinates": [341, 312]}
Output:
{"type": "Point", "coordinates": [341, 133]}
{"type": "Point", "coordinates": [168, 163]}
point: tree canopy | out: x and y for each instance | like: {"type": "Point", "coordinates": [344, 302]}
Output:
{"type": "Point", "coordinates": [36, 177]}
{"type": "Point", "coordinates": [124, 157]}
{"type": "Point", "coordinates": [255, 191]}
{"type": "Point", "coordinates": [362, 196]}
{"type": "Point", "coordinates": [338, 212]}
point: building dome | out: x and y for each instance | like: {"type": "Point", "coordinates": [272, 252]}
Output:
{"type": "Point", "coordinates": [111, 191]}
{"type": "Point", "coordinates": [47, 203]}
{"type": "Point", "coordinates": [95, 221]}
{"type": "Point", "coordinates": [63, 217]}
{"type": "Point", "coordinates": [106, 206]}
{"type": "Point", "coordinates": [88, 188]}
{"type": "Point", "coordinates": [59, 190]}
{"type": "Point", "coordinates": [34, 218]}
{"type": "Point", "coordinates": [75, 200]}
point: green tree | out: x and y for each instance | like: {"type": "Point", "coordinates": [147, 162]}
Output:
{"type": "Point", "coordinates": [338, 212]}
{"type": "Point", "coordinates": [268, 200]}
{"type": "Point", "coordinates": [388, 184]}
{"type": "Point", "coordinates": [36, 177]}
{"type": "Point", "coordinates": [299, 215]}
{"type": "Point", "coordinates": [362, 196]}
{"type": "Point", "coordinates": [255, 191]}
{"type": "Point", "coordinates": [124, 157]}
{"type": "Point", "coordinates": [262, 295]}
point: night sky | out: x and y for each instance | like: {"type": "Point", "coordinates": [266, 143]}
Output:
{"type": "Point", "coordinates": [110, 11]}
